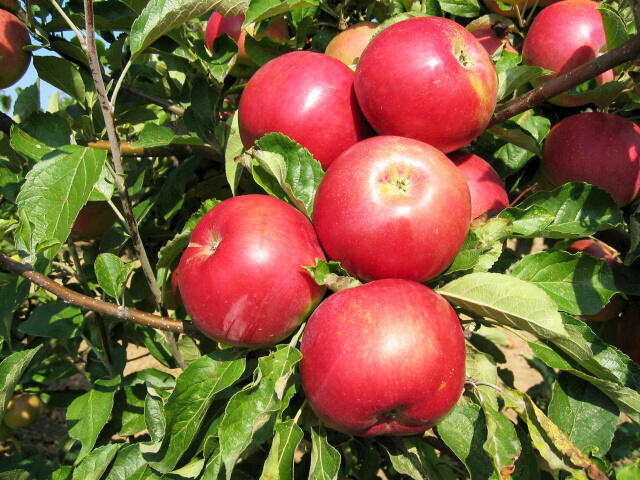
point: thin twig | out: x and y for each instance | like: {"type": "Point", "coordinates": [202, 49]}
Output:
{"type": "Point", "coordinates": [123, 74]}
{"type": "Point", "coordinates": [72, 25]}
{"type": "Point", "coordinates": [89, 303]}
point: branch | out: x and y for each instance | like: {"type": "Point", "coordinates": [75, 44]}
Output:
{"type": "Point", "coordinates": [624, 53]}
{"type": "Point", "coordinates": [93, 304]}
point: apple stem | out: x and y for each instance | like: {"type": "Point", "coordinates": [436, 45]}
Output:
{"type": "Point", "coordinates": [475, 384]}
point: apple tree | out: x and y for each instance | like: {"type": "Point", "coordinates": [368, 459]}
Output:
{"type": "Point", "coordinates": [103, 193]}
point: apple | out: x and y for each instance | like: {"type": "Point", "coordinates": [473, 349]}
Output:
{"type": "Point", "coordinates": [22, 411]}
{"type": "Point", "coordinates": [562, 37]}
{"type": "Point", "coordinates": [14, 61]}
{"type": "Point", "coordinates": [241, 277]}
{"type": "Point", "coordinates": [392, 207]}
{"type": "Point", "coordinates": [277, 30]}
{"type": "Point", "coordinates": [598, 148]}
{"type": "Point", "coordinates": [491, 31]}
{"type": "Point", "coordinates": [628, 332]}
{"type": "Point", "coordinates": [508, 9]}
{"type": "Point", "coordinates": [486, 188]}
{"type": "Point", "coordinates": [384, 358]}
{"type": "Point", "coordinates": [599, 250]}
{"type": "Point", "coordinates": [94, 220]}
{"type": "Point", "coordinates": [349, 44]}
{"type": "Point", "coordinates": [427, 78]}
{"type": "Point", "coordinates": [307, 96]}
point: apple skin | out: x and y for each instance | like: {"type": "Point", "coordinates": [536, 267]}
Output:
{"type": "Point", "coordinates": [94, 220]}
{"type": "Point", "coordinates": [22, 411]}
{"type": "Point", "coordinates": [318, 108]}
{"type": "Point", "coordinates": [598, 148]}
{"type": "Point", "coordinates": [384, 358]}
{"type": "Point", "coordinates": [392, 207]}
{"type": "Point", "coordinates": [410, 81]}
{"type": "Point", "coordinates": [349, 44]}
{"type": "Point", "coordinates": [616, 303]}
{"type": "Point", "coordinates": [14, 61]}
{"type": "Point", "coordinates": [628, 332]}
{"type": "Point", "coordinates": [562, 37]}
{"type": "Point", "coordinates": [277, 30]}
{"type": "Point", "coordinates": [485, 186]}
{"type": "Point", "coordinates": [241, 277]}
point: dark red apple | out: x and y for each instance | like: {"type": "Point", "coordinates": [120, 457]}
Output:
{"type": "Point", "coordinates": [384, 358]}
{"type": "Point", "coordinates": [277, 30]}
{"type": "Point", "coordinates": [485, 186]}
{"type": "Point", "coordinates": [14, 61]}
{"type": "Point", "coordinates": [307, 96]}
{"type": "Point", "coordinates": [392, 207]}
{"type": "Point", "coordinates": [616, 303]}
{"type": "Point", "coordinates": [598, 148]}
{"type": "Point", "coordinates": [427, 78]}
{"type": "Point", "coordinates": [241, 277]}
{"type": "Point", "coordinates": [562, 37]}
{"type": "Point", "coordinates": [628, 332]}
{"type": "Point", "coordinates": [349, 44]}
{"type": "Point", "coordinates": [94, 220]}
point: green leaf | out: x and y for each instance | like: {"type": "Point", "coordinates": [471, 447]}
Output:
{"type": "Point", "coordinates": [53, 130]}
{"type": "Point", "coordinates": [252, 408]}
{"type": "Point", "coordinates": [614, 26]}
{"type": "Point", "coordinates": [161, 16]}
{"type": "Point", "coordinates": [508, 300]}
{"type": "Point", "coordinates": [154, 135]}
{"type": "Point", "coordinates": [482, 247]}
{"type": "Point", "coordinates": [464, 430]}
{"type": "Point", "coordinates": [263, 9]}
{"type": "Point", "coordinates": [502, 444]}
{"type": "Point", "coordinates": [285, 170]}
{"type": "Point", "coordinates": [55, 190]}
{"type": "Point", "coordinates": [460, 8]}
{"type": "Point", "coordinates": [634, 229]}
{"type": "Point", "coordinates": [55, 320]}
{"type": "Point", "coordinates": [11, 369]}
{"type": "Point", "coordinates": [573, 210]}
{"type": "Point", "coordinates": [62, 74]}
{"type": "Point", "coordinates": [96, 463]}
{"type": "Point", "coordinates": [579, 283]}
{"type": "Point", "coordinates": [587, 416]}
{"type": "Point", "coordinates": [332, 275]}
{"type": "Point", "coordinates": [512, 75]}
{"type": "Point", "coordinates": [128, 410]}
{"type": "Point", "coordinates": [153, 414]}
{"type": "Point", "coordinates": [481, 367]}
{"type": "Point", "coordinates": [112, 274]}
{"type": "Point", "coordinates": [89, 413]}
{"type": "Point", "coordinates": [186, 407]}
{"type": "Point", "coordinates": [279, 463]}
{"type": "Point", "coordinates": [28, 146]}
{"type": "Point", "coordinates": [128, 465]}
{"type": "Point", "coordinates": [325, 459]}
{"type": "Point", "coordinates": [233, 149]}
{"type": "Point", "coordinates": [413, 457]}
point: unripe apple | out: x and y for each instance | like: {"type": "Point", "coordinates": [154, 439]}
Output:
{"type": "Point", "coordinates": [599, 250]}
{"type": "Point", "coordinates": [628, 332]}
{"type": "Point", "coordinates": [598, 148]}
{"type": "Point", "coordinates": [486, 188]}
{"type": "Point", "coordinates": [427, 78]}
{"type": "Point", "coordinates": [349, 44]}
{"type": "Point", "coordinates": [241, 277]}
{"type": "Point", "coordinates": [384, 358]}
{"type": "Point", "coordinates": [94, 220]}
{"type": "Point", "coordinates": [14, 61]}
{"type": "Point", "coordinates": [277, 30]}
{"type": "Point", "coordinates": [564, 36]}
{"type": "Point", "coordinates": [392, 207]}
{"type": "Point", "coordinates": [307, 96]}
{"type": "Point", "coordinates": [22, 411]}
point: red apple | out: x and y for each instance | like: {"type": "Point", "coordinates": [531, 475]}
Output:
{"type": "Point", "coordinates": [14, 61]}
{"type": "Point", "coordinates": [392, 207]}
{"type": "Point", "coordinates": [241, 277]}
{"type": "Point", "coordinates": [22, 411]}
{"type": "Point", "coordinates": [562, 37]}
{"type": "Point", "coordinates": [307, 96]}
{"type": "Point", "coordinates": [628, 332]}
{"type": "Point", "coordinates": [94, 220]}
{"type": "Point", "coordinates": [427, 78]}
{"type": "Point", "coordinates": [349, 45]}
{"type": "Point", "coordinates": [384, 358]}
{"type": "Point", "coordinates": [599, 250]}
{"type": "Point", "coordinates": [485, 186]}
{"type": "Point", "coordinates": [492, 32]}
{"type": "Point", "coordinates": [598, 148]}
{"type": "Point", "coordinates": [277, 30]}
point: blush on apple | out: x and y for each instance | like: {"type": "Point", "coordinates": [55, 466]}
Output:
{"type": "Point", "coordinates": [384, 358]}
{"type": "Point", "coordinates": [241, 277]}
{"type": "Point", "coordinates": [486, 188]}
{"type": "Point", "coordinates": [427, 78]}
{"type": "Point", "coordinates": [598, 148]}
{"type": "Point", "coordinates": [94, 220]}
{"type": "Point", "coordinates": [392, 207]}
{"type": "Point", "coordinates": [349, 45]}
{"type": "Point", "coordinates": [307, 96]}
{"type": "Point", "coordinates": [562, 37]}
{"type": "Point", "coordinates": [492, 32]}
{"type": "Point", "coordinates": [14, 61]}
